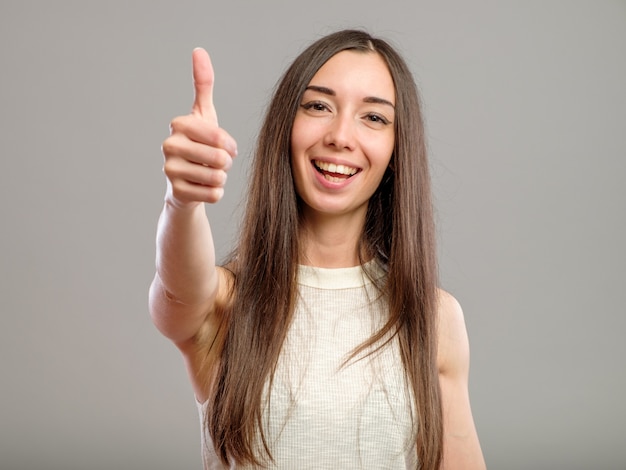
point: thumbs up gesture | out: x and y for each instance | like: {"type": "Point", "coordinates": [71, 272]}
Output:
{"type": "Point", "coordinates": [198, 153]}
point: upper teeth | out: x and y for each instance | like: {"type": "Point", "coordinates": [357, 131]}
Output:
{"type": "Point", "coordinates": [332, 168]}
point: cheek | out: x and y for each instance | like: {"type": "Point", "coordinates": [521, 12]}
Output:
{"type": "Point", "coordinates": [298, 135]}
{"type": "Point", "coordinates": [380, 152]}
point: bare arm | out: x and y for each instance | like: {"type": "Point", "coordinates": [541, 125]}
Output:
{"type": "Point", "coordinates": [461, 445]}
{"type": "Point", "coordinates": [197, 156]}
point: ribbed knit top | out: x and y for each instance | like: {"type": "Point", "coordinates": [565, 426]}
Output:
{"type": "Point", "coordinates": [323, 412]}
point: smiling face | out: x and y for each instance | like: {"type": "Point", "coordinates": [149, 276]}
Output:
{"type": "Point", "coordinates": [343, 134]}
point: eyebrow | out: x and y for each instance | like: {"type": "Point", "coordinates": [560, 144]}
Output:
{"type": "Point", "coordinates": [367, 99]}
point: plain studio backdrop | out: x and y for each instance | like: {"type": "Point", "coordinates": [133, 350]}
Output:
{"type": "Point", "coordinates": [525, 103]}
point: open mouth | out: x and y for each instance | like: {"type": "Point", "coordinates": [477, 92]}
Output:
{"type": "Point", "coordinates": [334, 173]}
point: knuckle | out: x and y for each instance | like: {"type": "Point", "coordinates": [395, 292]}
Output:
{"type": "Point", "coordinates": [178, 192]}
{"type": "Point", "coordinates": [177, 124]}
{"type": "Point", "coordinates": [172, 169]}
{"type": "Point", "coordinates": [168, 147]}
{"type": "Point", "coordinates": [169, 168]}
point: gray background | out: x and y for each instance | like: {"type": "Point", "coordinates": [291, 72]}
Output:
{"type": "Point", "coordinates": [526, 112]}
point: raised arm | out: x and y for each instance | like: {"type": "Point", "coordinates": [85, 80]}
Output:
{"type": "Point", "coordinates": [198, 153]}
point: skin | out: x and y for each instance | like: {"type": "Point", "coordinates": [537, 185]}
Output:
{"type": "Point", "coordinates": [345, 118]}
{"type": "Point", "coordinates": [344, 126]}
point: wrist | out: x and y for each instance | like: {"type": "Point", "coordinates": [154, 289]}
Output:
{"type": "Point", "coordinates": [172, 203]}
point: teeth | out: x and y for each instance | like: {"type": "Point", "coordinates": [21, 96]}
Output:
{"type": "Point", "coordinates": [333, 179]}
{"type": "Point", "coordinates": [332, 168]}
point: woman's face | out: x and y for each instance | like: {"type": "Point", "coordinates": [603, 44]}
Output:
{"type": "Point", "coordinates": [343, 134]}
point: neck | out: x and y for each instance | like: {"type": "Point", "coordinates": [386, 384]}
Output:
{"type": "Point", "coordinates": [331, 241]}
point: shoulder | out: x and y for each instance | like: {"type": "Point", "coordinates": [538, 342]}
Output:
{"type": "Point", "coordinates": [453, 344]}
{"type": "Point", "coordinates": [461, 445]}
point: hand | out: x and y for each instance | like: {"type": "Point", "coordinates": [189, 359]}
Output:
{"type": "Point", "coordinates": [198, 153]}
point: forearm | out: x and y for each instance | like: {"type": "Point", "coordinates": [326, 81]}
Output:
{"type": "Point", "coordinates": [185, 259]}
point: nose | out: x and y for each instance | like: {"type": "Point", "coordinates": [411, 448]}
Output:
{"type": "Point", "coordinates": [340, 133]}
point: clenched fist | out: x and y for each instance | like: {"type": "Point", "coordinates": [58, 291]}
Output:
{"type": "Point", "coordinates": [198, 153]}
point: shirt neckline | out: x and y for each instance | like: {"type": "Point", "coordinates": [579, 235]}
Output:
{"type": "Point", "coordinates": [339, 278]}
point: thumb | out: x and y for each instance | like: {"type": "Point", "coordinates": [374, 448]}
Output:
{"type": "Point", "coordinates": [203, 79]}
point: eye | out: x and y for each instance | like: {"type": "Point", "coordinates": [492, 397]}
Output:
{"type": "Point", "coordinates": [377, 119]}
{"type": "Point", "coordinates": [315, 106]}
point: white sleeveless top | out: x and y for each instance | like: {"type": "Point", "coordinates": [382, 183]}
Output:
{"type": "Point", "coordinates": [322, 413]}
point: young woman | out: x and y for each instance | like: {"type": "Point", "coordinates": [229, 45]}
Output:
{"type": "Point", "coordinates": [324, 342]}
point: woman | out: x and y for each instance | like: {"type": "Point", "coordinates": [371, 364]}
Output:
{"type": "Point", "coordinates": [324, 342]}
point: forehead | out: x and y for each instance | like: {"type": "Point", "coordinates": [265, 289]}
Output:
{"type": "Point", "coordinates": [356, 71]}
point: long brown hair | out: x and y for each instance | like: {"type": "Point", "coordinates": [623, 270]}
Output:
{"type": "Point", "coordinates": [398, 232]}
